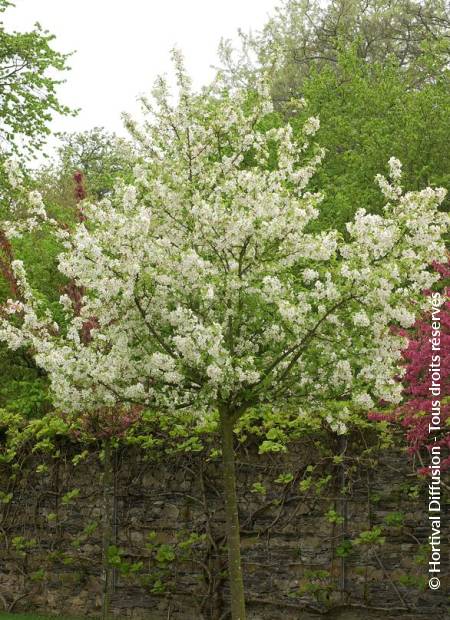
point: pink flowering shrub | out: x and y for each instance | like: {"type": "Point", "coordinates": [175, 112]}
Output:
{"type": "Point", "coordinates": [414, 415]}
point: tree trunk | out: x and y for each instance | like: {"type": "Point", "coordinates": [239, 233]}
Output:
{"type": "Point", "coordinates": [106, 527]}
{"type": "Point", "coordinates": [232, 519]}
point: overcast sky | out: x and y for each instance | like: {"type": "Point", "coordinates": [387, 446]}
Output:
{"type": "Point", "coordinates": [121, 46]}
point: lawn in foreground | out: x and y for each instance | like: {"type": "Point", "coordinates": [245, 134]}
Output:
{"type": "Point", "coordinates": [6, 616]}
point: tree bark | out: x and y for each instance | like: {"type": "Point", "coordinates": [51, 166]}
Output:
{"type": "Point", "coordinates": [232, 518]}
{"type": "Point", "coordinates": [106, 526]}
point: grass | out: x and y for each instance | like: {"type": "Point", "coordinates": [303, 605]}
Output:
{"type": "Point", "coordinates": [5, 616]}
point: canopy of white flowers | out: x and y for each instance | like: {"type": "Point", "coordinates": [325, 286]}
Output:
{"type": "Point", "coordinates": [207, 283]}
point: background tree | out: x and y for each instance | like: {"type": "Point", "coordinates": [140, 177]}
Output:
{"type": "Point", "coordinates": [308, 35]}
{"type": "Point", "coordinates": [29, 68]}
{"type": "Point", "coordinates": [368, 114]}
{"type": "Point", "coordinates": [376, 72]}
{"type": "Point", "coordinates": [101, 156]}
{"type": "Point", "coordinates": [28, 86]}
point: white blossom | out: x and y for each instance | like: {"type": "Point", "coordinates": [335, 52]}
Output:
{"type": "Point", "coordinates": [207, 284]}
{"type": "Point", "coordinates": [311, 126]}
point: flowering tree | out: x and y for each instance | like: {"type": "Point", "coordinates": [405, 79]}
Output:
{"type": "Point", "coordinates": [210, 292]}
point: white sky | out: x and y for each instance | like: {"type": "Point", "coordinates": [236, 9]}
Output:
{"type": "Point", "coordinates": [120, 47]}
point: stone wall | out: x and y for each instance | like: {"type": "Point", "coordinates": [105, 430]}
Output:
{"type": "Point", "coordinates": [292, 541]}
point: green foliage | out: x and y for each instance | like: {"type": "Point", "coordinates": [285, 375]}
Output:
{"type": "Point", "coordinates": [258, 487]}
{"type": "Point", "coordinates": [158, 573]}
{"type": "Point", "coordinates": [5, 498]}
{"type": "Point", "coordinates": [376, 74]}
{"type": "Point", "coordinates": [38, 575]}
{"type": "Point", "coordinates": [421, 557]}
{"type": "Point", "coordinates": [39, 252]}
{"type": "Point", "coordinates": [285, 478]}
{"type": "Point", "coordinates": [29, 69]}
{"type": "Point", "coordinates": [318, 583]}
{"type": "Point", "coordinates": [305, 484]}
{"type": "Point", "coordinates": [22, 545]}
{"type": "Point", "coordinates": [308, 36]}
{"type": "Point", "coordinates": [394, 519]}
{"type": "Point", "coordinates": [369, 113]}
{"type": "Point", "coordinates": [165, 554]}
{"type": "Point", "coordinates": [418, 582]}
{"type": "Point", "coordinates": [28, 86]}
{"type": "Point", "coordinates": [114, 558]}
{"type": "Point", "coordinates": [68, 497]}
{"type": "Point", "coordinates": [411, 490]}
{"type": "Point", "coordinates": [344, 548]}
{"type": "Point", "coordinates": [334, 517]}
{"type": "Point", "coordinates": [23, 388]}
{"type": "Point", "coordinates": [370, 537]}
{"type": "Point", "coordinates": [271, 446]}
{"type": "Point", "coordinates": [102, 157]}
{"type": "Point", "coordinates": [78, 458]}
